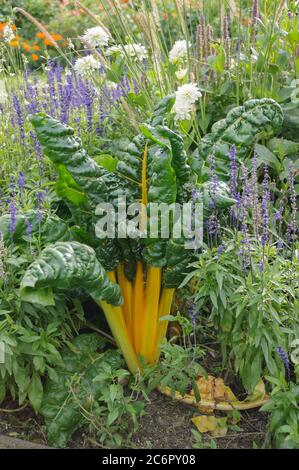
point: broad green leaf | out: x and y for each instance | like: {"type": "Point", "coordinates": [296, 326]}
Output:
{"type": "Point", "coordinates": [67, 188]}
{"type": "Point", "coordinates": [266, 157]}
{"type": "Point", "coordinates": [241, 127]}
{"type": "Point", "coordinates": [106, 161]}
{"type": "Point", "coordinates": [68, 266]}
{"type": "Point", "coordinates": [35, 392]}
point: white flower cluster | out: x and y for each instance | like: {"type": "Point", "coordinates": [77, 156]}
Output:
{"type": "Point", "coordinates": [179, 51]}
{"type": "Point", "coordinates": [8, 33]}
{"type": "Point", "coordinates": [185, 97]}
{"type": "Point", "coordinates": [136, 51]}
{"type": "Point", "coordinates": [86, 66]}
{"type": "Point", "coordinates": [96, 36]}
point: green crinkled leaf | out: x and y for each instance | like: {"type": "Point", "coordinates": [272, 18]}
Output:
{"type": "Point", "coordinates": [162, 188]}
{"type": "Point", "coordinates": [69, 265]}
{"type": "Point", "coordinates": [63, 148]}
{"type": "Point", "coordinates": [242, 127]}
{"type": "Point", "coordinates": [67, 188]}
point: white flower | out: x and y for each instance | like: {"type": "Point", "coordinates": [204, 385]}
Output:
{"type": "Point", "coordinates": [136, 51]}
{"type": "Point", "coordinates": [181, 74]}
{"type": "Point", "coordinates": [178, 51]}
{"type": "Point", "coordinates": [185, 96]}
{"type": "Point", "coordinates": [96, 36]}
{"type": "Point", "coordinates": [85, 66]}
{"type": "Point", "coordinates": [70, 44]}
{"type": "Point", "coordinates": [111, 85]}
{"type": "Point", "coordinates": [114, 50]}
{"type": "Point", "coordinates": [8, 33]}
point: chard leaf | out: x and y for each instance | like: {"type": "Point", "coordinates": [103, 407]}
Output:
{"type": "Point", "coordinates": [242, 127]}
{"type": "Point", "coordinates": [63, 148]}
{"type": "Point", "coordinates": [68, 265]}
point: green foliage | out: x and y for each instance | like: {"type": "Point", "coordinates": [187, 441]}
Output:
{"type": "Point", "coordinates": [252, 311]}
{"type": "Point", "coordinates": [242, 126]}
{"type": "Point", "coordinates": [284, 409]}
{"type": "Point", "coordinates": [89, 394]}
{"type": "Point", "coordinates": [52, 229]}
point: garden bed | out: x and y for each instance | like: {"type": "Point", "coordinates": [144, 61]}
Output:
{"type": "Point", "coordinates": [149, 223]}
{"type": "Point", "coordinates": [165, 425]}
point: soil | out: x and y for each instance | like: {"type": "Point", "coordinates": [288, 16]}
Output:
{"type": "Point", "coordinates": [166, 424]}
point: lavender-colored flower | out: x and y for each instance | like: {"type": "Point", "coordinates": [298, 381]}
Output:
{"type": "Point", "coordinates": [194, 195]}
{"type": "Point", "coordinates": [214, 181]}
{"type": "Point", "coordinates": [254, 198]}
{"type": "Point", "coordinates": [87, 93]}
{"type": "Point", "coordinates": [13, 216]}
{"type": "Point", "coordinates": [2, 255]}
{"type": "Point", "coordinates": [21, 181]}
{"type": "Point", "coordinates": [265, 217]}
{"type": "Point", "coordinates": [262, 265]}
{"type": "Point", "coordinates": [37, 150]}
{"type": "Point", "coordinates": [280, 244]}
{"type": "Point", "coordinates": [220, 249]}
{"type": "Point", "coordinates": [21, 184]}
{"type": "Point", "coordinates": [28, 229]}
{"type": "Point", "coordinates": [212, 225]}
{"type": "Point", "coordinates": [19, 117]}
{"type": "Point", "coordinates": [277, 215]}
{"type": "Point", "coordinates": [193, 314]}
{"type": "Point", "coordinates": [292, 225]}
{"type": "Point", "coordinates": [66, 96]}
{"type": "Point", "coordinates": [284, 357]}
{"type": "Point", "coordinates": [125, 85]}
{"type": "Point", "coordinates": [136, 87]}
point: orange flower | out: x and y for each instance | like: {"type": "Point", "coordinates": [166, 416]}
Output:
{"type": "Point", "coordinates": [40, 35]}
{"type": "Point", "coordinates": [26, 46]}
{"type": "Point", "coordinates": [34, 57]}
{"type": "Point", "coordinates": [47, 42]}
{"type": "Point", "coordinates": [14, 43]}
{"type": "Point", "coordinates": [56, 37]}
{"type": "Point", "coordinates": [36, 47]}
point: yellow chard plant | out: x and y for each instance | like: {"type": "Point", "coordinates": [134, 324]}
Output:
{"type": "Point", "coordinates": [132, 279]}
